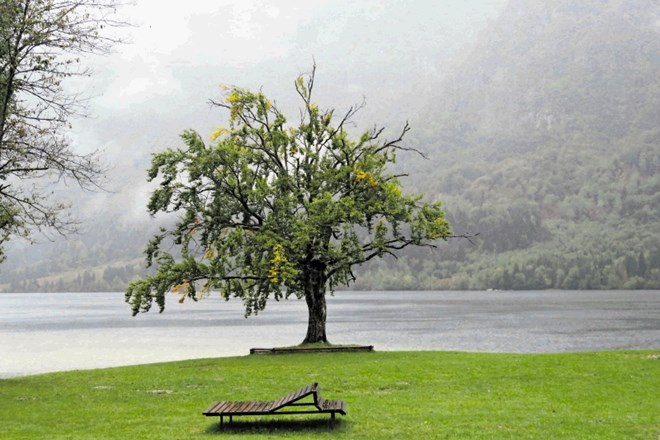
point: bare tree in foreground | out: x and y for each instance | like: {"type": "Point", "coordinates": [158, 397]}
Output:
{"type": "Point", "coordinates": [41, 45]}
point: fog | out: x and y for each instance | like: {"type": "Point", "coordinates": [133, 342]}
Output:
{"type": "Point", "coordinates": [177, 55]}
{"type": "Point", "coordinates": [491, 88]}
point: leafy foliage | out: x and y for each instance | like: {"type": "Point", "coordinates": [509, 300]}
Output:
{"type": "Point", "coordinates": [274, 210]}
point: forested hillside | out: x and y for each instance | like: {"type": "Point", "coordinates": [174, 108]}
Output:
{"type": "Point", "coordinates": [546, 141]}
{"type": "Point", "coordinates": [544, 138]}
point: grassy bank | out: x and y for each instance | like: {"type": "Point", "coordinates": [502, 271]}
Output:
{"type": "Point", "coordinates": [389, 395]}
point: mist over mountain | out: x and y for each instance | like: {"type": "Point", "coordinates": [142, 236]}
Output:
{"type": "Point", "coordinates": [548, 141]}
{"type": "Point", "coordinates": [540, 121]}
{"type": "Point", "coordinates": [555, 69]}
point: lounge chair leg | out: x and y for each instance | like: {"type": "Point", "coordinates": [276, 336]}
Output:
{"type": "Point", "coordinates": [221, 422]}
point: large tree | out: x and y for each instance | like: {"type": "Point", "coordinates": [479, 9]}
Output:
{"type": "Point", "coordinates": [270, 210]}
{"type": "Point", "coordinates": [41, 45]}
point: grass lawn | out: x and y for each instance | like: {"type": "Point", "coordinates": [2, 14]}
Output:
{"type": "Point", "coordinates": [390, 395]}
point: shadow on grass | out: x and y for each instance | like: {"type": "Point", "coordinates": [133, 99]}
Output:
{"type": "Point", "coordinates": [270, 426]}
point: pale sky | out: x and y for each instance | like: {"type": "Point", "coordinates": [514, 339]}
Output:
{"type": "Point", "coordinates": [237, 34]}
{"type": "Point", "coordinates": [178, 53]}
{"type": "Point", "coordinates": [231, 33]}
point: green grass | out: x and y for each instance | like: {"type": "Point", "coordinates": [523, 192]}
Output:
{"type": "Point", "coordinates": [390, 395]}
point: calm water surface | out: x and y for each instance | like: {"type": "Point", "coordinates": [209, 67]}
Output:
{"type": "Point", "coordinates": [53, 332]}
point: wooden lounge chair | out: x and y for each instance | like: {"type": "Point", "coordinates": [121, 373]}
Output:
{"type": "Point", "coordinates": [290, 404]}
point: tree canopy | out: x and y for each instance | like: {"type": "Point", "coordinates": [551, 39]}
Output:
{"type": "Point", "coordinates": [269, 210]}
{"type": "Point", "coordinates": [41, 44]}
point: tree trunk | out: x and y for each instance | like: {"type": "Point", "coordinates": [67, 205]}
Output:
{"type": "Point", "coordinates": [315, 296]}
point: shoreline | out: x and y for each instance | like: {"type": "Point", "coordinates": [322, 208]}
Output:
{"type": "Point", "coordinates": [55, 332]}
{"type": "Point", "coordinates": [13, 375]}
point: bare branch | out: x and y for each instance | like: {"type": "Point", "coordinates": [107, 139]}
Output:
{"type": "Point", "coordinates": [40, 45]}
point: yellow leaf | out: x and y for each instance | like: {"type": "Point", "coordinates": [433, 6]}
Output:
{"type": "Point", "coordinates": [219, 131]}
{"type": "Point", "coordinates": [234, 97]}
{"type": "Point", "coordinates": [183, 285]}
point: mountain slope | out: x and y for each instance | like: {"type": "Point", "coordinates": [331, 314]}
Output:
{"type": "Point", "coordinates": [546, 141]}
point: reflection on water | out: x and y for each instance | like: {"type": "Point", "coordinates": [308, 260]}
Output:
{"type": "Point", "coordinates": [52, 332]}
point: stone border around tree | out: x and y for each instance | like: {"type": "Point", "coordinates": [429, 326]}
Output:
{"type": "Point", "coordinates": [328, 349]}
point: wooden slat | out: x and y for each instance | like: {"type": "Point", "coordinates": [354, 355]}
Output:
{"type": "Point", "coordinates": [277, 404]}
{"type": "Point", "coordinates": [231, 407]}
{"type": "Point", "coordinates": [226, 406]}
{"type": "Point", "coordinates": [241, 407]}
{"type": "Point", "coordinates": [254, 406]}
{"type": "Point", "coordinates": [332, 405]}
{"type": "Point", "coordinates": [296, 395]}
{"type": "Point", "coordinates": [265, 406]}
{"type": "Point", "coordinates": [211, 408]}
{"type": "Point", "coordinates": [218, 407]}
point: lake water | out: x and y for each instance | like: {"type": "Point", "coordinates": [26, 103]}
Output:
{"type": "Point", "coordinates": [52, 332]}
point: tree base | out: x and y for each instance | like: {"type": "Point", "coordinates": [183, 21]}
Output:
{"type": "Point", "coordinates": [315, 341]}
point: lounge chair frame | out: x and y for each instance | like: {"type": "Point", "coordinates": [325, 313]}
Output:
{"type": "Point", "coordinates": [291, 404]}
